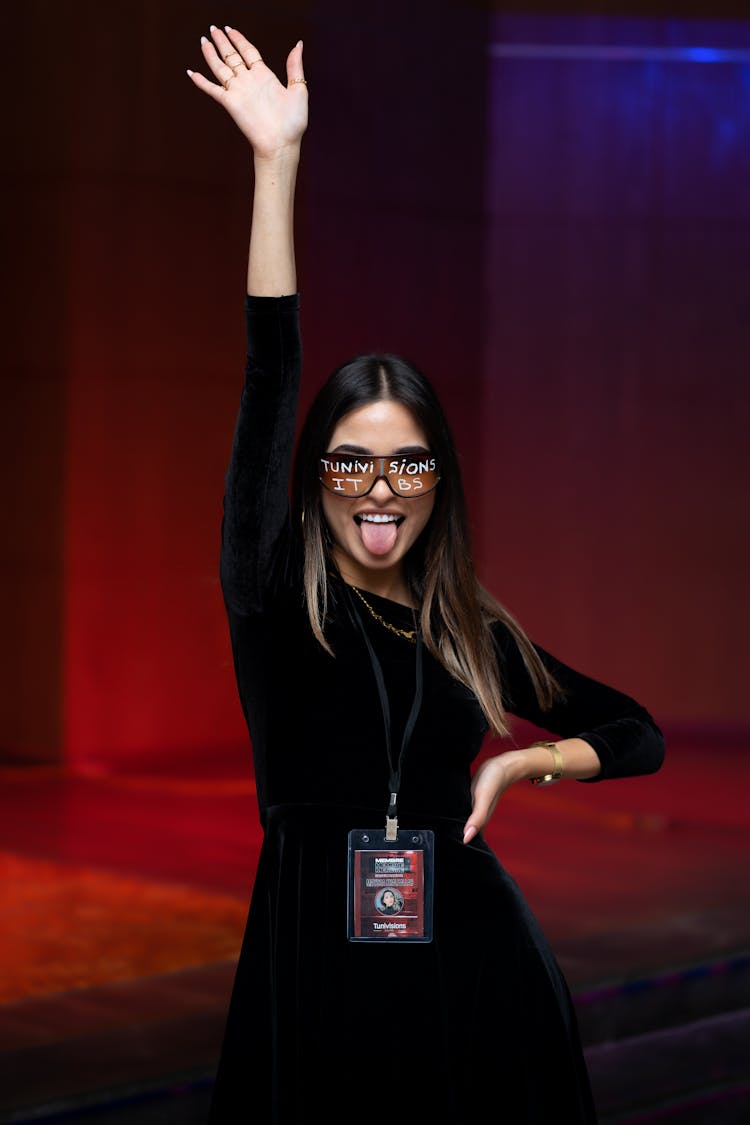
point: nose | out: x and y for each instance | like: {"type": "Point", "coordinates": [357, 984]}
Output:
{"type": "Point", "coordinates": [381, 491]}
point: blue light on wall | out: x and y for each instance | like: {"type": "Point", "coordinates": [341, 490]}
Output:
{"type": "Point", "coordinates": [618, 53]}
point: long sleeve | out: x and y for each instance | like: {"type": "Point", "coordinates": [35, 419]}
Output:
{"type": "Point", "coordinates": [255, 522]}
{"type": "Point", "coordinates": [624, 735]}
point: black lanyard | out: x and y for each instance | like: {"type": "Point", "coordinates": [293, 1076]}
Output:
{"type": "Point", "coordinates": [394, 769]}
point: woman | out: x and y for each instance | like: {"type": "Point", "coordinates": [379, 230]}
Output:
{"type": "Point", "coordinates": [371, 664]}
{"type": "Point", "coordinates": [387, 903]}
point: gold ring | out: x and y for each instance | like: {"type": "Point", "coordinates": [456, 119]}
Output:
{"type": "Point", "coordinates": [225, 57]}
{"type": "Point", "coordinates": [248, 65]}
{"type": "Point", "coordinates": [302, 80]}
{"type": "Point", "coordinates": [225, 81]}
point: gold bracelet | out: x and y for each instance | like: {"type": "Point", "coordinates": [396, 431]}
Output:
{"type": "Point", "coordinates": [550, 778]}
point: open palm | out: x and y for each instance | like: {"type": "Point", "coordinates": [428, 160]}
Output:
{"type": "Point", "coordinates": [272, 116]}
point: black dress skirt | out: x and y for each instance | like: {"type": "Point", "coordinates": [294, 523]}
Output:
{"type": "Point", "coordinates": [476, 1024]}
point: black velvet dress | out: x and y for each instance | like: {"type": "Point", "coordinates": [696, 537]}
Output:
{"type": "Point", "coordinates": [476, 1024]}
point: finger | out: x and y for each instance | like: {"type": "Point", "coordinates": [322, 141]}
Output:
{"type": "Point", "coordinates": [484, 803]}
{"type": "Point", "coordinates": [247, 50]}
{"type": "Point", "coordinates": [227, 52]}
{"type": "Point", "coordinates": [475, 822]}
{"type": "Point", "coordinates": [216, 64]}
{"type": "Point", "coordinates": [470, 831]}
{"type": "Point", "coordinates": [202, 83]}
{"type": "Point", "coordinates": [295, 74]}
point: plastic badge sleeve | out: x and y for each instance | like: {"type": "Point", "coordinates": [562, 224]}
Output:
{"type": "Point", "coordinates": [390, 885]}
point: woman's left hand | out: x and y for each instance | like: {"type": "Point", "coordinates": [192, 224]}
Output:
{"type": "Point", "coordinates": [495, 775]}
{"type": "Point", "coordinates": [490, 781]}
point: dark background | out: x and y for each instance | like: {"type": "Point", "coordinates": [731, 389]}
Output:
{"type": "Point", "coordinates": [558, 233]}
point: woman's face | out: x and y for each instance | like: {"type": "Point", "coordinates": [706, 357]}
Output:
{"type": "Point", "coordinates": [373, 533]}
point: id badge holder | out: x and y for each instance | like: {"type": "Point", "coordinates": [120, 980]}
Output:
{"type": "Point", "coordinates": [390, 885]}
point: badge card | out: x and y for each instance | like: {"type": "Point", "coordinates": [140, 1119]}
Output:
{"type": "Point", "coordinates": [390, 885]}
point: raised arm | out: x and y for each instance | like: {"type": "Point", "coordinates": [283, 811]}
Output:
{"type": "Point", "coordinates": [272, 118]}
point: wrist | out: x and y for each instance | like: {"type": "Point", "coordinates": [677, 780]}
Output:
{"type": "Point", "coordinates": [553, 770]}
{"type": "Point", "coordinates": [531, 762]}
{"type": "Point", "coordinates": [277, 159]}
{"type": "Point", "coordinates": [522, 765]}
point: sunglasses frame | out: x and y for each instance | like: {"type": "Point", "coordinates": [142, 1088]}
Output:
{"type": "Point", "coordinates": [382, 458]}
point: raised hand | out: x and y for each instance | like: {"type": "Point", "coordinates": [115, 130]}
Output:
{"type": "Point", "coordinates": [272, 116]}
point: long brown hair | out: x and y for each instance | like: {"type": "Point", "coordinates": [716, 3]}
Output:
{"type": "Point", "coordinates": [456, 610]}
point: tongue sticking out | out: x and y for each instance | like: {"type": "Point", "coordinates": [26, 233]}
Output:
{"type": "Point", "coordinates": [378, 538]}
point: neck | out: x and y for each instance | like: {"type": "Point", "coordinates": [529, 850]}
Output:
{"type": "Point", "coordinates": [390, 583]}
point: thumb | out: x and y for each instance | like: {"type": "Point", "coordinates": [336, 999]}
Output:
{"type": "Point", "coordinates": [294, 70]}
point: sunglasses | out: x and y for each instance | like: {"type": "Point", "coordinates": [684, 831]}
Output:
{"type": "Point", "coordinates": [407, 476]}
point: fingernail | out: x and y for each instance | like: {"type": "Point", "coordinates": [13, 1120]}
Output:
{"type": "Point", "coordinates": [469, 834]}
{"type": "Point", "coordinates": [212, 27]}
{"type": "Point", "coordinates": [189, 73]}
{"type": "Point", "coordinates": [227, 27]}
{"type": "Point", "coordinates": [203, 39]}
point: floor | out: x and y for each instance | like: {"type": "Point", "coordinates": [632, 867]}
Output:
{"type": "Point", "coordinates": [124, 900]}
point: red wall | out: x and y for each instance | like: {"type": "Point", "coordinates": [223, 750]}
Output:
{"type": "Point", "coordinates": [568, 268]}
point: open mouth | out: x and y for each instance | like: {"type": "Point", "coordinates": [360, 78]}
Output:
{"type": "Point", "coordinates": [378, 531]}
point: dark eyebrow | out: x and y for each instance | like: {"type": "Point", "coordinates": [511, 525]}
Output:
{"type": "Point", "coordinates": [401, 451]}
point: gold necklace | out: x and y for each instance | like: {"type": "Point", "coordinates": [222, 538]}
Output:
{"type": "Point", "coordinates": [408, 634]}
